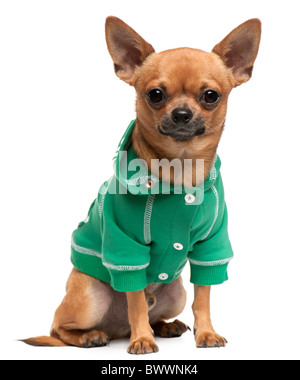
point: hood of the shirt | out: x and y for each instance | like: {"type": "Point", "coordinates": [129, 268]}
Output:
{"type": "Point", "coordinates": [133, 174]}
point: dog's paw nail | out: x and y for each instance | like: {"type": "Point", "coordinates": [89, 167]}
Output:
{"type": "Point", "coordinates": [86, 343]}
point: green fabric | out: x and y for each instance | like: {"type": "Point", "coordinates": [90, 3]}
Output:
{"type": "Point", "coordinates": [140, 235]}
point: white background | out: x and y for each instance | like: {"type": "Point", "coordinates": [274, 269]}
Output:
{"type": "Point", "coordinates": [62, 113]}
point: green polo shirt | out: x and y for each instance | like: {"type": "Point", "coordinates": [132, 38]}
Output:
{"type": "Point", "coordinates": [140, 230]}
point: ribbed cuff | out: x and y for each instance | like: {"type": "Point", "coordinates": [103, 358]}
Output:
{"type": "Point", "coordinates": [208, 275]}
{"type": "Point", "coordinates": [129, 281]}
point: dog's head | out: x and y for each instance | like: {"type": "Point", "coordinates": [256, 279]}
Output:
{"type": "Point", "coordinates": [182, 93]}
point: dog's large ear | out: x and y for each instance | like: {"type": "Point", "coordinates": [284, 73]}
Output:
{"type": "Point", "coordinates": [239, 50]}
{"type": "Point", "coordinates": [127, 48]}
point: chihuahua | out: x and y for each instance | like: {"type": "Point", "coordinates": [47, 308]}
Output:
{"type": "Point", "coordinates": [129, 252]}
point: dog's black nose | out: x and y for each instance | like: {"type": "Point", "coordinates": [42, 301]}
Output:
{"type": "Point", "coordinates": [181, 116]}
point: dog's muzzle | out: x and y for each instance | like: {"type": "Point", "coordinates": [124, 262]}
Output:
{"type": "Point", "coordinates": [181, 125]}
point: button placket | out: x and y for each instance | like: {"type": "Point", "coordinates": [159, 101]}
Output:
{"type": "Point", "coordinates": [178, 246]}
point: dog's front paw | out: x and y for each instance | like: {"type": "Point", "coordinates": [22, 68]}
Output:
{"type": "Point", "coordinates": [142, 346]}
{"type": "Point", "coordinates": [209, 339]}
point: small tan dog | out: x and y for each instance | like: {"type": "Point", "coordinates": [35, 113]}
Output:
{"type": "Point", "coordinates": [173, 87]}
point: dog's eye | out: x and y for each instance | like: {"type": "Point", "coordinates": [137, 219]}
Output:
{"type": "Point", "coordinates": [155, 96]}
{"type": "Point", "coordinates": [210, 97]}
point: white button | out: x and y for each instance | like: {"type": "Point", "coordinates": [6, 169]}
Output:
{"type": "Point", "coordinates": [163, 276]}
{"type": "Point", "coordinates": [189, 198]}
{"type": "Point", "coordinates": [178, 246]}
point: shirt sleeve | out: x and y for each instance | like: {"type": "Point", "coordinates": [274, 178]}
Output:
{"type": "Point", "coordinates": [210, 256]}
{"type": "Point", "coordinates": [124, 256]}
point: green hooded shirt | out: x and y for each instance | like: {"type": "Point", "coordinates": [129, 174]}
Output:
{"type": "Point", "coordinates": [140, 230]}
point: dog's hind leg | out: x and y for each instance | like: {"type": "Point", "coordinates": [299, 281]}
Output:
{"type": "Point", "coordinates": [81, 311]}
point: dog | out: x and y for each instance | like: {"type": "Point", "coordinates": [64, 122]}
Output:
{"type": "Point", "coordinates": [128, 254]}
